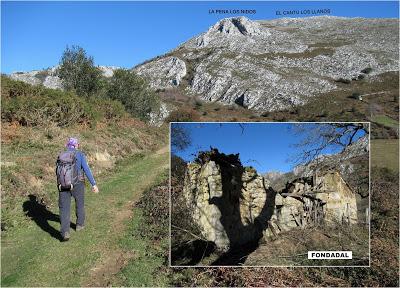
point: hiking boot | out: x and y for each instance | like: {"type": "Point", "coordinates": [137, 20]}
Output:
{"type": "Point", "coordinates": [66, 236]}
{"type": "Point", "coordinates": [79, 227]}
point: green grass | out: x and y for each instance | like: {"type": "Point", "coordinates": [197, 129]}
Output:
{"type": "Point", "coordinates": [385, 153]}
{"type": "Point", "coordinates": [139, 271]}
{"type": "Point", "coordinates": [386, 121]}
{"type": "Point", "coordinates": [32, 257]}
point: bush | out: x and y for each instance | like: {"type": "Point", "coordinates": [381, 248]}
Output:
{"type": "Point", "coordinates": [38, 106]}
{"type": "Point", "coordinates": [355, 95]}
{"type": "Point", "coordinates": [78, 73]}
{"type": "Point", "coordinates": [109, 109]}
{"type": "Point", "coordinates": [366, 70]}
{"type": "Point", "coordinates": [342, 80]}
{"type": "Point", "coordinates": [50, 106]}
{"type": "Point", "coordinates": [133, 92]}
{"type": "Point", "coordinates": [12, 89]}
{"type": "Point", "coordinates": [178, 168]}
{"type": "Point", "coordinates": [198, 104]}
{"type": "Point", "coordinates": [182, 115]}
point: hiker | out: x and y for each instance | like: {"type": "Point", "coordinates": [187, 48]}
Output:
{"type": "Point", "coordinates": [70, 182]}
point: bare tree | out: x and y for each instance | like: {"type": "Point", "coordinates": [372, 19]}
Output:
{"type": "Point", "coordinates": [180, 137]}
{"type": "Point", "coordinates": [316, 137]}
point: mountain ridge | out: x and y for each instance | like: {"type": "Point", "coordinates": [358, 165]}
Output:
{"type": "Point", "coordinates": [269, 65]}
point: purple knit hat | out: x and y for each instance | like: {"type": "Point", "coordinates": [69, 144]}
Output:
{"type": "Point", "coordinates": [72, 143]}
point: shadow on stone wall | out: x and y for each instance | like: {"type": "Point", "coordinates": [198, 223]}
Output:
{"type": "Point", "coordinates": [243, 237]}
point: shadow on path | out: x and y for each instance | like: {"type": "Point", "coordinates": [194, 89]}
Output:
{"type": "Point", "coordinates": [39, 213]}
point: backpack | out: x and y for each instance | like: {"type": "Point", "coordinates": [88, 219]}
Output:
{"type": "Point", "coordinates": [66, 171]}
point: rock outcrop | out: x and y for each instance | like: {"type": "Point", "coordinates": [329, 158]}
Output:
{"type": "Point", "coordinates": [171, 70]}
{"type": "Point", "coordinates": [233, 205]}
{"type": "Point", "coordinates": [277, 64]}
{"type": "Point", "coordinates": [48, 77]}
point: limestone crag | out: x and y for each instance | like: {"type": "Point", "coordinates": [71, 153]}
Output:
{"type": "Point", "coordinates": [48, 77]}
{"type": "Point", "coordinates": [277, 64]}
{"type": "Point", "coordinates": [267, 65]}
{"type": "Point", "coordinates": [157, 117]}
{"type": "Point", "coordinates": [170, 70]}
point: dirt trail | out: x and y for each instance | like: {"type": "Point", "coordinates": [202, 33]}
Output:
{"type": "Point", "coordinates": [114, 258]}
{"type": "Point", "coordinates": [93, 256]}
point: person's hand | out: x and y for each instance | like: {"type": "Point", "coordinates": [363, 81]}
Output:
{"type": "Point", "coordinates": [95, 189]}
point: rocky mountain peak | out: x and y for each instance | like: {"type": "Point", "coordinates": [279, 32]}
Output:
{"type": "Point", "coordinates": [235, 27]}
{"type": "Point", "coordinates": [269, 65]}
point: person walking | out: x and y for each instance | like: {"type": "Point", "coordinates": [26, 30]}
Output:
{"type": "Point", "coordinates": [71, 164]}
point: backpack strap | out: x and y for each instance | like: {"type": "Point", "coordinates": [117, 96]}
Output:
{"type": "Point", "coordinates": [81, 177]}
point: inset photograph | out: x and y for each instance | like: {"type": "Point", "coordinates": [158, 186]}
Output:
{"type": "Point", "coordinates": [269, 194]}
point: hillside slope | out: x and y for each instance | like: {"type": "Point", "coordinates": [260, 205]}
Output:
{"type": "Point", "coordinates": [36, 122]}
{"type": "Point", "coordinates": [277, 64]}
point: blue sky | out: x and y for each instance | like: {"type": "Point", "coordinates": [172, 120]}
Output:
{"type": "Point", "coordinates": [34, 34]}
{"type": "Point", "coordinates": [272, 145]}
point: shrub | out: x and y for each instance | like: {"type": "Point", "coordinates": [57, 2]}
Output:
{"type": "Point", "coordinates": [12, 89]}
{"type": "Point", "coordinates": [38, 106]}
{"type": "Point", "coordinates": [366, 70]}
{"type": "Point", "coordinates": [178, 168]}
{"type": "Point", "coordinates": [355, 95]}
{"type": "Point", "coordinates": [182, 115]}
{"type": "Point", "coordinates": [78, 73]}
{"type": "Point", "coordinates": [342, 80]}
{"type": "Point", "coordinates": [109, 109]}
{"type": "Point", "coordinates": [198, 104]}
{"type": "Point", "coordinates": [47, 106]}
{"type": "Point", "coordinates": [133, 92]}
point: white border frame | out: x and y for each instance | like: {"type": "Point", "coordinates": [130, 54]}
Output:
{"type": "Point", "coordinates": [273, 266]}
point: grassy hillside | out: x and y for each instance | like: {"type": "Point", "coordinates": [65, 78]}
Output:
{"type": "Point", "coordinates": [36, 122]}
{"type": "Point", "coordinates": [121, 151]}
{"type": "Point", "coordinates": [385, 154]}
{"type": "Point", "coordinates": [127, 244]}
{"type": "Point", "coordinates": [380, 106]}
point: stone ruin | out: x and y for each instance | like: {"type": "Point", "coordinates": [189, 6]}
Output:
{"type": "Point", "coordinates": [234, 205]}
{"type": "Point", "coordinates": [316, 200]}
